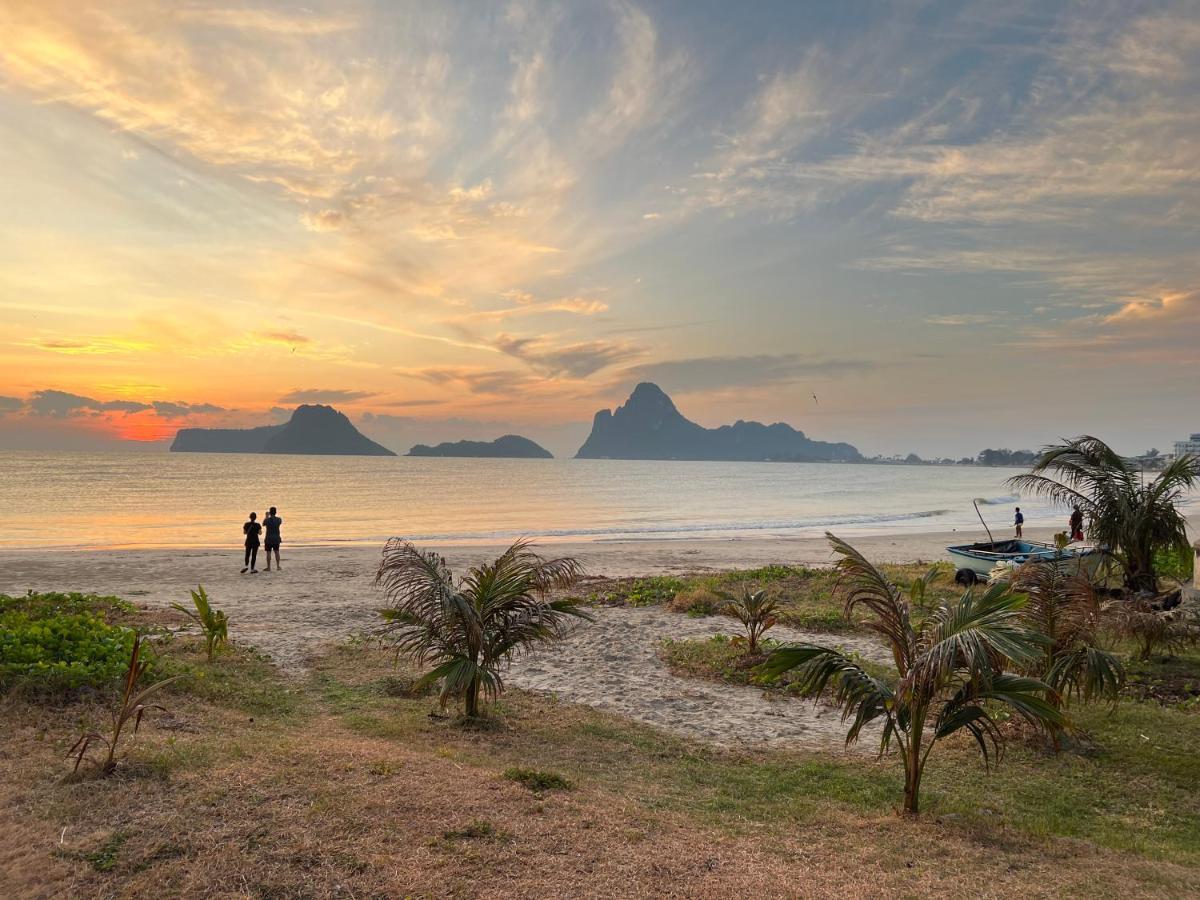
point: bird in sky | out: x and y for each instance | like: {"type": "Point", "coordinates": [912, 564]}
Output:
{"type": "Point", "coordinates": [815, 400]}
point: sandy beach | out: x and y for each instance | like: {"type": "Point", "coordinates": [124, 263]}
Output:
{"type": "Point", "coordinates": [327, 593]}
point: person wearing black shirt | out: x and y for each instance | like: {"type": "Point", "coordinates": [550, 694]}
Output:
{"type": "Point", "coordinates": [1077, 524]}
{"type": "Point", "coordinates": [252, 530]}
{"type": "Point", "coordinates": [271, 539]}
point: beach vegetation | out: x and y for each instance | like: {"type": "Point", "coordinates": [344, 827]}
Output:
{"type": "Point", "coordinates": [1175, 563]}
{"type": "Point", "coordinates": [949, 671]}
{"type": "Point", "coordinates": [1136, 519]}
{"type": "Point", "coordinates": [697, 600]}
{"type": "Point", "coordinates": [1065, 608]}
{"type": "Point", "coordinates": [131, 705]}
{"type": "Point", "coordinates": [57, 642]}
{"type": "Point", "coordinates": [653, 590]}
{"type": "Point", "coordinates": [1153, 630]}
{"type": "Point", "coordinates": [470, 628]}
{"type": "Point", "coordinates": [214, 624]}
{"type": "Point", "coordinates": [757, 613]}
{"type": "Point", "coordinates": [318, 798]}
{"type": "Point", "coordinates": [538, 781]}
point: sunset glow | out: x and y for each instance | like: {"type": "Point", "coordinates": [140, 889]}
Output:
{"type": "Point", "coordinates": [456, 220]}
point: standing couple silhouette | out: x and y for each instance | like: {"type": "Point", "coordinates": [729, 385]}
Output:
{"type": "Point", "coordinates": [252, 530]}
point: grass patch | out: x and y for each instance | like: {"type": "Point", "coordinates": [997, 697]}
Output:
{"type": "Point", "coordinates": [104, 858]}
{"type": "Point", "coordinates": [239, 677]}
{"type": "Point", "coordinates": [720, 658]}
{"type": "Point", "coordinates": [351, 774]}
{"type": "Point", "coordinates": [478, 830]}
{"type": "Point", "coordinates": [538, 781]}
{"type": "Point", "coordinates": [805, 596]}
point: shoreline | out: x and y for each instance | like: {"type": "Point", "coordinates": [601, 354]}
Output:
{"type": "Point", "coordinates": [328, 593]}
{"type": "Point", "coordinates": [609, 557]}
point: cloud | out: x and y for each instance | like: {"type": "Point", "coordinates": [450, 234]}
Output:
{"type": "Point", "coordinates": [300, 22]}
{"type": "Point", "coordinates": [526, 304]}
{"type": "Point", "coordinates": [324, 220]}
{"type": "Point", "coordinates": [11, 404]}
{"type": "Point", "coordinates": [290, 338]}
{"type": "Point", "coordinates": [577, 360]}
{"type": "Point", "coordinates": [324, 395]}
{"type": "Point", "coordinates": [178, 409]}
{"type": "Point", "coordinates": [958, 320]}
{"type": "Point", "coordinates": [709, 373]}
{"type": "Point", "coordinates": [60, 404]}
{"type": "Point", "coordinates": [500, 382]}
{"type": "Point", "coordinates": [405, 404]}
{"type": "Point", "coordinates": [92, 346]}
{"type": "Point", "coordinates": [57, 404]}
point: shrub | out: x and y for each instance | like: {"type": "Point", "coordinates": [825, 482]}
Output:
{"type": "Point", "coordinates": [697, 601]}
{"type": "Point", "coordinates": [57, 642]}
{"type": "Point", "coordinates": [653, 590]}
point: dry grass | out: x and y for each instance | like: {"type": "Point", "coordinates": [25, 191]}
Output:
{"type": "Point", "coordinates": [350, 788]}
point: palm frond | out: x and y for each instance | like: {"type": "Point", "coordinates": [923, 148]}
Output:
{"type": "Point", "coordinates": [861, 584]}
{"type": "Point", "coordinates": [977, 634]}
{"type": "Point", "coordinates": [857, 693]}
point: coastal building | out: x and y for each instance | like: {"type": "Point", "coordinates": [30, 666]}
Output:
{"type": "Point", "coordinates": [1190, 446]}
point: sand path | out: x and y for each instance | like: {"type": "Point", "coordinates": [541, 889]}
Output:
{"type": "Point", "coordinates": [327, 594]}
{"type": "Point", "coordinates": [613, 664]}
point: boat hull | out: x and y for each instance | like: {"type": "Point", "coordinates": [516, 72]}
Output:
{"type": "Point", "coordinates": [982, 558]}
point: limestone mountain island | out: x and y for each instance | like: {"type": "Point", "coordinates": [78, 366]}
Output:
{"type": "Point", "coordinates": [316, 430]}
{"type": "Point", "coordinates": [509, 446]}
{"type": "Point", "coordinates": [649, 426]}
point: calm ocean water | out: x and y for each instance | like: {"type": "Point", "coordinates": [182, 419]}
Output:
{"type": "Point", "coordinates": [113, 500]}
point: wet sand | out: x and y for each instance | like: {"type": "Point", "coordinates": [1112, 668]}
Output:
{"type": "Point", "coordinates": [327, 593]}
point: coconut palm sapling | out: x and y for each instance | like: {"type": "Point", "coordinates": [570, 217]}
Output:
{"type": "Point", "coordinates": [470, 628]}
{"type": "Point", "coordinates": [949, 671]}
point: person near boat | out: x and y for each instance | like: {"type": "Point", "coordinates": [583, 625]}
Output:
{"type": "Point", "coordinates": [1019, 522]}
{"type": "Point", "coordinates": [1076, 524]}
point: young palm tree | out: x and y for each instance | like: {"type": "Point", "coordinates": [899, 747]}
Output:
{"type": "Point", "coordinates": [1132, 517]}
{"type": "Point", "coordinates": [470, 628]}
{"type": "Point", "coordinates": [1063, 606]}
{"type": "Point", "coordinates": [756, 611]}
{"type": "Point", "coordinates": [949, 670]}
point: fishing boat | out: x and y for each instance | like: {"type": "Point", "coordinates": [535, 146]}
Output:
{"type": "Point", "coordinates": [975, 562]}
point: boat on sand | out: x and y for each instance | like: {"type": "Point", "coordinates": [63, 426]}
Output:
{"type": "Point", "coordinates": [975, 562]}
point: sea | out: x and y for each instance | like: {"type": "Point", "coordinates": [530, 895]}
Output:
{"type": "Point", "coordinates": [126, 500]}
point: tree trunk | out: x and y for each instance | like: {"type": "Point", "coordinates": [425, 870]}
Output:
{"type": "Point", "coordinates": [912, 781]}
{"type": "Point", "coordinates": [472, 699]}
{"type": "Point", "coordinates": [1140, 574]}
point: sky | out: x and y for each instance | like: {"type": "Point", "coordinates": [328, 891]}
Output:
{"type": "Point", "coordinates": [930, 227]}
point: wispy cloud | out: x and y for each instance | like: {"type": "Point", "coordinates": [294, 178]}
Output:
{"type": "Point", "coordinates": [324, 395]}
{"type": "Point", "coordinates": [575, 360]}
{"type": "Point", "coordinates": [709, 373]}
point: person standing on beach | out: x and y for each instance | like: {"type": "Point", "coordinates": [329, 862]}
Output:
{"type": "Point", "coordinates": [1077, 524]}
{"type": "Point", "coordinates": [252, 530]}
{"type": "Point", "coordinates": [1018, 522]}
{"type": "Point", "coordinates": [271, 539]}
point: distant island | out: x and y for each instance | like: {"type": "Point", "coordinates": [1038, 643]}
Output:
{"type": "Point", "coordinates": [316, 430]}
{"type": "Point", "coordinates": [509, 446]}
{"type": "Point", "coordinates": [649, 426]}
